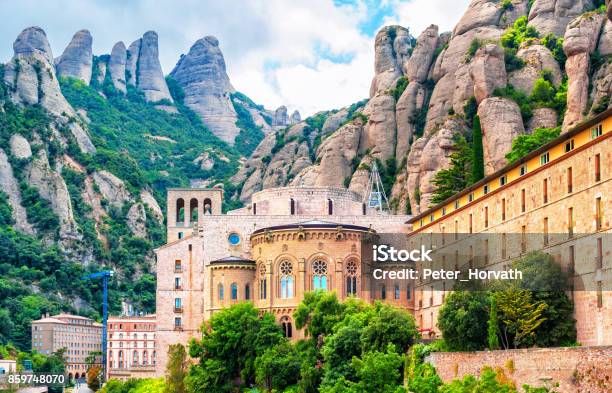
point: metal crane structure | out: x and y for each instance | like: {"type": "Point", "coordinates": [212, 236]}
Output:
{"type": "Point", "coordinates": [105, 276]}
{"type": "Point", "coordinates": [375, 196]}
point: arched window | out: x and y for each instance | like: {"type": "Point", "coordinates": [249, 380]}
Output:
{"type": "Point", "coordinates": [383, 292]}
{"type": "Point", "coordinates": [180, 210]}
{"type": "Point", "coordinates": [396, 291]}
{"type": "Point", "coordinates": [263, 282]}
{"type": "Point", "coordinates": [254, 209]}
{"type": "Point", "coordinates": [135, 358]}
{"type": "Point", "coordinates": [351, 278]}
{"type": "Point", "coordinates": [292, 206]}
{"type": "Point", "coordinates": [247, 292]}
{"type": "Point", "coordinates": [286, 325]}
{"type": "Point", "coordinates": [363, 209]}
{"type": "Point", "coordinates": [286, 280]}
{"type": "Point", "coordinates": [234, 290]}
{"type": "Point", "coordinates": [220, 291]}
{"type": "Point", "coordinates": [120, 359]}
{"type": "Point", "coordinates": [319, 275]}
{"type": "Point", "coordinates": [330, 207]}
{"type": "Point", "coordinates": [207, 206]}
{"type": "Point", "coordinates": [145, 358]}
{"type": "Point", "coordinates": [154, 358]}
{"type": "Point", "coordinates": [193, 210]}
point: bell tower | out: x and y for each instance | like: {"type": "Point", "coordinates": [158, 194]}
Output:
{"type": "Point", "coordinates": [188, 207]}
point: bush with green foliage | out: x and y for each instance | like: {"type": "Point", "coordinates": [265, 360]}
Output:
{"type": "Point", "coordinates": [555, 45]}
{"type": "Point", "coordinates": [134, 385]}
{"type": "Point", "coordinates": [525, 144]}
{"type": "Point", "coordinates": [250, 134]}
{"type": "Point", "coordinates": [519, 97]}
{"type": "Point", "coordinates": [400, 86]}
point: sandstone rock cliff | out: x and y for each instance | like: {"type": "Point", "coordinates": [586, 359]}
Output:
{"type": "Point", "coordinates": [116, 66]}
{"type": "Point", "coordinates": [553, 16]}
{"type": "Point", "coordinates": [32, 79]}
{"type": "Point", "coordinates": [10, 187]}
{"type": "Point", "coordinates": [77, 59]}
{"type": "Point", "coordinates": [580, 41]}
{"type": "Point", "coordinates": [280, 117]}
{"type": "Point", "coordinates": [202, 75]}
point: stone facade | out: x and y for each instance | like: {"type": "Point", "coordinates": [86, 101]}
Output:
{"type": "Point", "coordinates": [80, 337]}
{"type": "Point", "coordinates": [132, 351]}
{"type": "Point", "coordinates": [559, 199]}
{"type": "Point", "coordinates": [579, 369]}
{"type": "Point", "coordinates": [208, 250]}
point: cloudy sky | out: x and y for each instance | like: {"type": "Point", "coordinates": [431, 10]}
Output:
{"type": "Point", "coordinates": [306, 54]}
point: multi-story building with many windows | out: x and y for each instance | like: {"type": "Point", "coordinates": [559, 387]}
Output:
{"type": "Point", "coordinates": [287, 241]}
{"type": "Point", "coordinates": [131, 350]}
{"type": "Point", "coordinates": [557, 199]}
{"type": "Point", "coordinates": [80, 337]}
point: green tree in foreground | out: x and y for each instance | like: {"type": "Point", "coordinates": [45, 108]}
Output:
{"type": "Point", "coordinates": [477, 152]}
{"type": "Point", "coordinates": [463, 320]}
{"type": "Point", "coordinates": [278, 367]}
{"type": "Point", "coordinates": [457, 177]}
{"type": "Point", "coordinates": [493, 326]}
{"type": "Point", "coordinates": [176, 369]}
{"type": "Point", "coordinates": [231, 341]}
{"type": "Point", "coordinates": [520, 316]}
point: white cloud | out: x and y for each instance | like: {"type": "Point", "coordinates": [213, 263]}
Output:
{"type": "Point", "coordinates": [419, 14]}
{"type": "Point", "coordinates": [272, 48]}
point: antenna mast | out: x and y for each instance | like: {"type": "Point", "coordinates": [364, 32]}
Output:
{"type": "Point", "coordinates": [375, 196]}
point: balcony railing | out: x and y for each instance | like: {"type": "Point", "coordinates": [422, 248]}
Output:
{"type": "Point", "coordinates": [178, 328]}
{"type": "Point", "coordinates": [178, 309]}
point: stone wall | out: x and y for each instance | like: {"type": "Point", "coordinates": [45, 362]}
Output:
{"type": "Point", "coordinates": [579, 369]}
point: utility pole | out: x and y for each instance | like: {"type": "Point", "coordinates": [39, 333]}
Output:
{"type": "Point", "coordinates": [105, 276]}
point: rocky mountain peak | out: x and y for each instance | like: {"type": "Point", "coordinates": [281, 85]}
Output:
{"type": "Point", "coordinates": [150, 75]}
{"type": "Point", "coordinates": [202, 75]}
{"type": "Point", "coordinates": [33, 40]}
{"type": "Point", "coordinates": [116, 66]}
{"type": "Point", "coordinates": [77, 59]}
{"type": "Point", "coordinates": [280, 116]}
{"type": "Point", "coordinates": [295, 117]}
{"type": "Point", "coordinates": [392, 48]}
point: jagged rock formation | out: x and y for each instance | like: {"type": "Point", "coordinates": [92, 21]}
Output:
{"type": "Point", "coordinates": [116, 66]}
{"type": "Point", "coordinates": [10, 186]}
{"type": "Point", "coordinates": [139, 66]}
{"type": "Point", "coordinates": [579, 42]}
{"type": "Point", "coordinates": [335, 154]}
{"type": "Point", "coordinates": [31, 77]}
{"type": "Point", "coordinates": [112, 188]}
{"type": "Point", "coordinates": [202, 75]}
{"type": "Point", "coordinates": [537, 58]}
{"type": "Point", "coordinates": [280, 117]}
{"type": "Point", "coordinates": [392, 49]}
{"type": "Point", "coordinates": [295, 118]}
{"type": "Point", "coordinates": [131, 62]}
{"type": "Point", "coordinates": [20, 147]}
{"type": "Point", "coordinates": [488, 71]}
{"type": "Point", "coordinates": [501, 123]}
{"type": "Point", "coordinates": [553, 16]}
{"type": "Point", "coordinates": [51, 186]}
{"type": "Point", "coordinates": [137, 220]}
{"type": "Point", "coordinates": [77, 59]}
{"type": "Point", "coordinates": [150, 76]}
{"type": "Point", "coordinates": [418, 128]}
{"type": "Point", "coordinates": [151, 203]}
